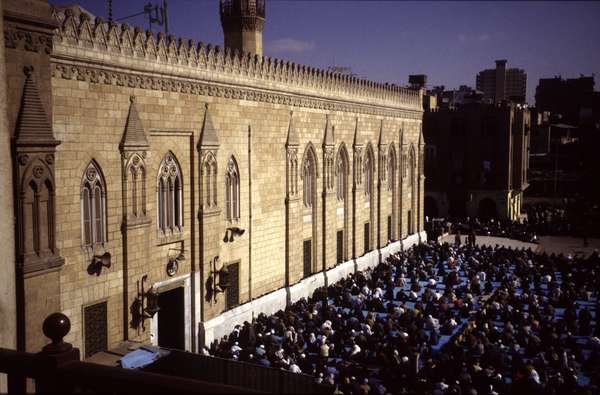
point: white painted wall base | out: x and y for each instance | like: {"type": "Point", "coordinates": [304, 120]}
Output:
{"type": "Point", "coordinates": [223, 324]}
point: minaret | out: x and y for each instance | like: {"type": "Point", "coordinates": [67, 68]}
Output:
{"type": "Point", "coordinates": [243, 22]}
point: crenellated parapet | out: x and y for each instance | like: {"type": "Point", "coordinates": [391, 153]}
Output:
{"type": "Point", "coordinates": [120, 45]}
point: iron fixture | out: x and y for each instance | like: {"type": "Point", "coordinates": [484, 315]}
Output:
{"type": "Point", "coordinates": [232, 231]}
{"type": "Point", "coordinates": [219, 279]}
{"type": "Point", "coordinates": [98, 262]}
{"type": "Point", "coordinates": [173, 261]}
{"type": "Point", "coordinates": [144, 311]}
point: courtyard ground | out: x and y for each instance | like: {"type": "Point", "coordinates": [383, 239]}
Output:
{"type": "Point", "coordinates": [549, 244]}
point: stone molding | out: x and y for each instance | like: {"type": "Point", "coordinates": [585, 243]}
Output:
{"type": "Point", "coordinates": [97, 74]}
{"type": "Point", "coordinates": [95, 40]}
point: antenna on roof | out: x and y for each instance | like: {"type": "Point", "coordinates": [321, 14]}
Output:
{"type": "Point", "coordinates": [155, 13]}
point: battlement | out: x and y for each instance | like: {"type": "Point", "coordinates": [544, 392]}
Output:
{"type": "Point", "coordinates": [80, 37]}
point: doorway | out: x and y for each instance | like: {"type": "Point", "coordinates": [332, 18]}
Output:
{"type": "Point", "coordinates": [171, 319]}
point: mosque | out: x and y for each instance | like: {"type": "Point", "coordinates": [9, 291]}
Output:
{"type": "Point", "coordinates": [164, 190]}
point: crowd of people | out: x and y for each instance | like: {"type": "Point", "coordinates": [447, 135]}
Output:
{"type": "Point", "coordinates": [440, 319]}
{"type": "Point", "coordinates": [571, 218]}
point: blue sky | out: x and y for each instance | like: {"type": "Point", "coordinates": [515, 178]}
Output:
{"type": "Point", "coordinates": [388, 40]}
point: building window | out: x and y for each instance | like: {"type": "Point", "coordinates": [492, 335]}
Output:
{"type": "Point", "coordinates": [209, 181]}
{"type": "Point", "coordinates": [170, 195]}
{"type": "Point", "coordinates": [430, 152]}
{"type": "Point", "coordinates": [368, 170]}
{"type": "Point", "coordinates": [412, 165]}
{"type": "Point", "coordinates": [232, 191]}
{"type": "Point", "coordinates": [392, 170]}
{"type": "Point", "coordinates": [308, 175]}
{"type": "Point", "coordinates": [341, 178]}
{"type": "Point", "coordinates": [93, 206]}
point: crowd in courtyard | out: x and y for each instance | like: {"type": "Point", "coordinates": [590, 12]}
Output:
{"type": "Point", "coordinates": [542, 220]}
{"type": "Point", "coordinates": [440, 319]}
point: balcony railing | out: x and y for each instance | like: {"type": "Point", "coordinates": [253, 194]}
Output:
{"type": "Point", "coordinates": [57, 369]}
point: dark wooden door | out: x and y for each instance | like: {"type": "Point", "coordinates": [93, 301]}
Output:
{"type": "Point", "coordinates": [307, 258]}
{"type": "Point", "coordinates": [171, 319]}
{"type": "Point", "coordinates": [96, 329]}
{"type": "Point", "coordinates": [340, 246]}
{"type": "Point", "coordinates": [233, 292]}
{"type": "Point", "coordinates": [367, 238]}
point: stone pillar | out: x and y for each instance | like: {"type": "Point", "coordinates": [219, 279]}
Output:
{"type": "Point", "coordinates": [136, 222]}
{"type": "Point", "coordinates": [382, 209]}
{"type": "Point", "coordinates": [293, 210]}
{"type": "Point", "coordinates": [401, 181]}
{"type": "Point", "coordinates": [421, 185]}
{"type": "Point", "coordinates": [329, 202]}
{"type": "Point", "coordinates": [357, 194]}
{"type": "Point", "coordinates": [28, 30]}
{"type": "Point", "coordinates": [54, 355]}
{"type": "Point", "coordinates": [211, 228]}
{"type": "Point", "coordinates": [8, 307]}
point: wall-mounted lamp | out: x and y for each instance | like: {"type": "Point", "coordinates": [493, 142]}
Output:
{"type": "Point", "coordinates": [231, 232]}
{"type": "Point", "coordinates": [219, 279]}
{"type": "Point", "coordinates": [98, 262]}
{"type": "Point", "coordinates": [143, 311]}
{"type": "Point", "coordinates": [174, 260]}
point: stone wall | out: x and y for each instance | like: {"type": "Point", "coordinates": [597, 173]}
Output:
{"type": "Point", "coordinates": [8, 310]}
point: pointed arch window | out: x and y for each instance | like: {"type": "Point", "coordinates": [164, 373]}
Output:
{"type": "Point", "coordinates": [308, 175]}
{"type": "Point", "coordinates": [93, 206]}
{"type": "Point", "coordinates": [392, 170]}
{"type": "Point", "coordinates": [232, 191]}
{"type": "Point", "coordinates": [412, 167]}
{"type": "Point", "coordinates": [368, 170]}
{"type": "Point", "coordinates": [169, 195]}
{"type": "Point", "coordinates": [342, 179]}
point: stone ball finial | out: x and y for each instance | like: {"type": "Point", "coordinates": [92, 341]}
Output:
{"type": "Point", "coordinates": [56, 327]}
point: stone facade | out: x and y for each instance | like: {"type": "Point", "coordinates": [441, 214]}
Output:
{"type": "Point", "coordinates": [123, 101]}
{"type": "Point", "coordinates": [8, 313]}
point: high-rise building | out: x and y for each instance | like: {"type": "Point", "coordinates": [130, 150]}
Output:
{"type": "Point", "coordinates": [502, 84]}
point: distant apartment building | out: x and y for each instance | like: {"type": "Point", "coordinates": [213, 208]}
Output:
{"type": "Point", "coordinates": [502, 84]}
{"type": "Point", "coordinates": [573, 99]}
{"type": "Point", "coordinates": [476, 160]}
{"type": "Point", "coordinates": [454, 98]}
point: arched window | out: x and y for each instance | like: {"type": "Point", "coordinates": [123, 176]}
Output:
{"type": "Point", "coordinates": [368, 170]}
{"type": "Point", "coordinates": [309, 178]}
{"type": "Point", "coordinates": [232, 191]}
{"type": "Point", "coordinates": [392, 169]}
{"type": "Point", "coordinates": [342, 174]}
{"type": "Point", "coordinates": [412, 167]}
{"type": "Point", "coordinates": [93, 206]}
{"type": "Point", "coordinates": [169, 195]}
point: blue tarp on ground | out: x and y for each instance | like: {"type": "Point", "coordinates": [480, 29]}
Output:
{"type": "Point", "coordinates": [142, 357]}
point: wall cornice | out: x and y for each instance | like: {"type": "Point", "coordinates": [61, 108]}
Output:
{"type": "Point", "coordinates": [109, 75]}
{"type": "Point", "coordinates": [122, 46]}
